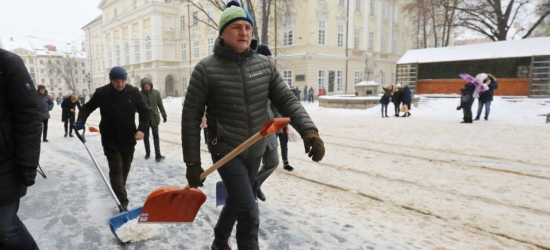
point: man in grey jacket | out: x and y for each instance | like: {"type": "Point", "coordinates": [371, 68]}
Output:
{"type": "Point", "coordinates": [236, 84]}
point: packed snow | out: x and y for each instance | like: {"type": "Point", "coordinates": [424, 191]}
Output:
{"type": "Point", "coordinates": [132, 231]}
{"type": "Point", "coordinates": [421, 182]}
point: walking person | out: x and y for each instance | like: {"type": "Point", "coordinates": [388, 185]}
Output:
{"type": "Point", "coordinates": [306, 95]}
{"type": "Point", "coordinates": [46, 105]}
{"type": "Point", "coordinates": [21, 126]}
{"type": "Point", "coordinates": [396, 99]}
{"type": "Point", "coordinates": [385, 100]}
{"type": "Point", "coordinates": [486, 97]}
{"type": "Point", "coordinates": [152, 99]}
{"type": "Point", "coordinates": [117, 103]}
{"type": "Point", "coordinates": [406, 98]}
{"type": "Point", "coordinates": [68, 111]}
{"type": "Point", "coordinates": [466, 102]}
{"type": "Point", "coordinates": [311, 92]}
{"type": "Point", "coordinates": [237, 75]}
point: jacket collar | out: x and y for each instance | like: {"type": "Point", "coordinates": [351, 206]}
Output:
{"type": "Point", "coordinates": [230, 53]}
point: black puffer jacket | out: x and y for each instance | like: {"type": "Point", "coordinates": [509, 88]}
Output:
{"type": "Point", "coordinates": [236, 88]}
{"type": "Point", "coordinates": [20, 126]}
{"type": "Point", "coordinates": [118, 115]}
{"type": "Point", "coordinates": [66, 107]}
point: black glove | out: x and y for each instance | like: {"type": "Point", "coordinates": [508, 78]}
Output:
{"type": "Point", "coordinates": [164, 118]}
{"type": "Point", "coordinates": [193, 175]}
{"type": "Point", "coordinates": [313, 144]}
{"type": "Point", "coordinates": [28, 174]}
{"type": "Point", "coordinates": [79, 124]}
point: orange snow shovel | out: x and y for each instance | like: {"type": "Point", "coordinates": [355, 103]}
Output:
{"type": "Point", "coordinates": [93, 129]}
{"type": "Point", "coordinates": [175, 204]}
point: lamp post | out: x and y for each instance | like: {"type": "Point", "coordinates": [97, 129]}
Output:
{"type": "Point", "coordinates": [89, 79]}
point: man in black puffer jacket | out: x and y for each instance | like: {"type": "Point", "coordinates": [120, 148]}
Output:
{"type": "Point", "coordinates": [236, 84]}
{"type": "Point", "coordinates": [20, 129]}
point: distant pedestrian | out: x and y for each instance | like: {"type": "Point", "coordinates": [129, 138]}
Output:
{"type": "Point", "coordinates": [68, 111]}
{"type": "Point", "coordinates": [46, 105]}
{"type": "Point", "coordinates": [396, 99]}
{"type": "Point", "coordinates": [385, 100]}
{"type": "Point", "coordinates": [406, 98]}
{"type": "Point", "coordinates": [311, 92]}
{"type": "Point", "coordinates": [466, 102]}
{"type": "Point", "coordinates": [486, 97]}
{"type": "Point", "coordinates": [306, 95]}
{"type": "Point", "coordinates": [152, 99]}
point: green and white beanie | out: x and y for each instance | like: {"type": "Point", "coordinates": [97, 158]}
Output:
{"type": "Point", "coordinates": [233, 12]}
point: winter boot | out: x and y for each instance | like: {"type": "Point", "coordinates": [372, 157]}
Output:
{"type": "Point", "coordinates": [159, 158]}
{"type": "Point", "coordinates": [65, 134]}
{"type": "Point", "coordinates": [45, 140]}
{"type": "Point", "coordinates": [71, 135]}
{"type": "Point", "coordinates": [288, 167]}
{"type": "Point", "coordinates": [261, 195]}
{"type": "Point", "coordinates": [147, 156]}
{"type": "Point", "coordinates": [223, 246]}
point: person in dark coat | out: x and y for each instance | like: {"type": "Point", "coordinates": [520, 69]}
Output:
{"type": "Point", "coordinates": [396, 99]}
{"type": "Point", "coordinates": [466, 102]}
{"type": "Point", "coordinates": [310, 93]}
{"type": "Point", "coordinates": [46, 105]}
{"type": "Point", "coordinates": [486, 97]}
{"type": "Point", "coordinates": [385, 100]}
{"type": "Point", "coordinates": [152, 99]}
{"type": "Point", "coordinates": [117, 103]}
{"type": "Point", "coordinates": [20, 126]}
{"type": "Point", "coordinates": [406, 98]}
{"type": "Point", "coordinates": [235, 83]}
{"type": "Point", "coordinates": [68, 112]}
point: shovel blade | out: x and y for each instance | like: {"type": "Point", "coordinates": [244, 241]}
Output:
{"type": "Point", "coordinates": [172, 204]}
{"type": "Point", "coordinates": [118, 220]}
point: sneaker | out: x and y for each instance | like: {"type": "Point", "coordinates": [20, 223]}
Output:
{"type": "Point", "coordinates": [159, 158]}
{"type": "Point", "coordinates": [147, 156]}
{"type": "Point", "coordinates": [288, 168]}
{"type": "Point", "coordinates": [477, 119]}
{"type": "Point", "coordinates": [261, 195]}
{"type": "Point", "coordinates": [223, 246]}
{"type": "Point", "coordinates": [486, 118]}
{"type": "Point", "coordinates": [45, 140]}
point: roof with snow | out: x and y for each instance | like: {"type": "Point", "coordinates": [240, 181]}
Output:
{"type": "Point", "coordinates": [539, 46]}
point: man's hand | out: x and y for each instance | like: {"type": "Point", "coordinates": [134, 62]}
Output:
{"type": "Point", "coordinates": [164, 118]}
{"type": "Point", "coordinates": [72, 110]}
{"type": "Point", "coordinates": [79, 124]}
{"type": "Point", "coordinates": [313, 144]}
{"type": "Point", "coordinates": [28, 175]}
{"type": "Point", "coordinates": [139, 135]}
{"type": "Point", "coordinates": [194, 171]}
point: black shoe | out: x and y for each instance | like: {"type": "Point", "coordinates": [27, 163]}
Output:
{"type": "Point", "coordinates": [45, 140]}
{"type": "Point", "coordinates": [261, 195]}
{"type": "Point", "coordinates": [288, 168]}
{"type": "Point", "coordinates": [71, 135]}
{"type": "Point", "coordinates": [486, 118]}
{"type": "Point", "coordinates": [65, 134]}
{"type": "Point", "coordinates": [408, 114]}
{"type": "Point", "coordinates": [159, 158]}
{"type": "Point", "coordinates": [147, 156]}
{"type": "Point", "coordinates": [477, 119]}
{"type": "Point", "coordinates": [396, 115]}
{"type": "Point", "coordinates": [223, 246]}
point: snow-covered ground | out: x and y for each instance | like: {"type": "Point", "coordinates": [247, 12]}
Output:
{"type": "Point", "coordinates": [423, 182]}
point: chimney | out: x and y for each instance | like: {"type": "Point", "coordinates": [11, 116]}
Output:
{"type": "Point", "coordinates": [50, 47]}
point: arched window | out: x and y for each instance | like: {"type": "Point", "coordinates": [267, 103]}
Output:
{"type": "Point", "coordinates": [126, 53]}
{"type": "Point", "coordinates": [148, 55]}
{"type": "Point", "coordinates": [117, 54]}
{"type": "Point", "coordinates": [136, 50]}
{"type": "Point", "coordinates": [109, 57]}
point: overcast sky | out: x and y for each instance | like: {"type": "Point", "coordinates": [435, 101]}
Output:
{"type": "Point", "coordinates": [41, 22]}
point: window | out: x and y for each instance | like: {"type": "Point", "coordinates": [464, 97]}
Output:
{"type": "Point", "coordinates": [75, 72]}
{"type": "Point", "coordinates": [41, 62]}
{"type": "Point", "coordinates": [81, 64]}
{"type": "Point", "coordinates": [83, 72]}
{"type": "Point", "coordinates": [383, 44]}
{"type": "Point", "coordinates": [406, 19]}
{"type": "Point", "coordinates": [342, 3]}
{"type": "Point", "coordinates": [41, 71]}
{"type": "Point", "coordinates": [210, 15]}
{"type": "Point", "coordinates": [168, 1]}
{"type": "Point", "coordinates": [210, 43]}
{"type": "Point", "coordinates": [196, 49]}
{"type": "Point", "coordinates": [287, 77]}
{"type": "Point", "coordinates": [195, 19]}
{"type": "Point", "coordinates": [321, 79]}
{"type": "Point", "coordinates": [383, 78]}
{"type": "Point", "coordinates": [339, 79]}
{"type": "Point", "coordinates": [109, 57]}
{"type": "Point", "coordinates": [43, 81]}
{"type": "Point", "coordinates": [323, 1]}
{"type": "Point", "coordinates": [182, 22]}
{"type": "Point", "coordinates": [340, 35]}
{"type": "Point", "coordinates": [394, 44]}
{"type": "Point", "coordinates": [322, 30]}
{"type": "Point", "coordinates": [385, 10]}
{"type": "Point", "coordinates": [115, 14]}
{"type": "Point", "coordinates": [287, 32]}
{"type": "Point", "coordinates": [288, 1]}
{"type": "Point", "coordinates": [126, 53]}
{"type": "Point", "coordinates": [145, 1]}
{"type": "Point", "coordinates": [357, 77]}
{"type": "Point", "coordinates": [32, 70]}
{"type": "Point", "coordinates": [356, 38]}
{"type": "Point", "coordinates": [395, 14]}
{"type": "Point", "coordinates": [392, 78]}
{"type": "Point", "coordinates": [136, 50]}
{"type": "Point", "coordinates": [31, 60]}
{"type": "Point", "coordinates": [371, 40]}
{"type": "Point", "coordinates": [404, 43]}
{"type": "Point", "coordinates": [183, 51]}
{"type": "Point", "coordinates": [134, 4]}
{"type": "Point", "coordinates": [372, 7]}
{"type": "Point", "coordinates": [76, 80]}
{"type": "Point", "coordinates": [117, 54]}
{"type": "Point", "coordinates": [358, 5]}
{"type": "Point", "coordinates": [148, 52]}
{"type": "Point", "coordinates": [51, 81]}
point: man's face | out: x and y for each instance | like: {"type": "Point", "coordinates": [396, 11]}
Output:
{"type": "Point", "coordinates": [238, 35]}
{"type": "Point", "coordinates": [147, 87]}
{"type": "Point", "coordinates": [118, 84]}
{"type": "Point", "coordinates": [42, 91]}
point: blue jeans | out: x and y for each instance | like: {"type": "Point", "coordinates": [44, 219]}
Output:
{"type": "Point", "coordinates": [384, 108]}
{"type": "Point", "coordinates": [155, 130]}
{"type": "Point", "coordinates": [480, 108]}
{"type": "Point", "coordinates": [13, 233]}
{"type": "Point", "coordinates": [238, 175]}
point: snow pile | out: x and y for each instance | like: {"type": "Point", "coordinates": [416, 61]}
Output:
{"type": "Point", "coordinates": [132, 231]}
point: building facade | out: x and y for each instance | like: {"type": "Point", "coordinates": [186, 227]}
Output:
{"type": "Point", "coordinates": [42, 64]}
{"type": "Point", "coordinates": [315, 43]}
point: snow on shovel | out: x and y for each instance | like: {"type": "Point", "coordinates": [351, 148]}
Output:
{"type": "Point", "coordinates": [175, 204]}
{"type": "Point", "coordinates": [131, 232]}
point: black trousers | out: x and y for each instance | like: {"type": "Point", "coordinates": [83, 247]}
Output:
{"type": "Point", "coordinates": [120, 162]}
{"type": "Point", "coordinates": [45, 128]}
{"type": "Point", "coordinates": [69, 123]}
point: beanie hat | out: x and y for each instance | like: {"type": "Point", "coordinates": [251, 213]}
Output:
{"type": "Point", "coordinates": [263, 50]}
{"type": "Point", "coordinates": [118, 73]}
{"type": "Point", "coordinates": [481, 77]}
{"type": "Point", "coordinates": [41, 87]}
{"type": "Point", "coordinates": [233, 12]}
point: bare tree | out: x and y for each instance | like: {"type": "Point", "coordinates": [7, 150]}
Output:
{"type": "Point", "coordinates": [494, 18]}
{"type": "Point", "coordinates": [435, 20]}
{"type": "Point", "coordinates": [64, 67]}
